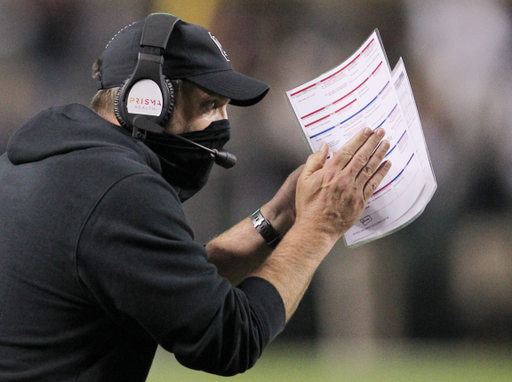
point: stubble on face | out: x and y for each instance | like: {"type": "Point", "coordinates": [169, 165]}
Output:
{"type": "Point", "coordinates": [195, 109]}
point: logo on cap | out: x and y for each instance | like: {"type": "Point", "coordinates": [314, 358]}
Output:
{"type": "Point", "coordinates": [222, 51]}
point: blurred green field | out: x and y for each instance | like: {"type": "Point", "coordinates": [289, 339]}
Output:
{"type": "Point", "coordinates": [342, 362]}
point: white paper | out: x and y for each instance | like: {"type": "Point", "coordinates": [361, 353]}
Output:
{"type": "Point", "coordinates": [361, 93]}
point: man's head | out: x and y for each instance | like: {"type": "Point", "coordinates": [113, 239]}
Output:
{"type": "Point", "coordinates": [193, 61]}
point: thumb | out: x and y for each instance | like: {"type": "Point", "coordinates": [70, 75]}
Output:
{"type": "Point", "coordinates": [316, 161]}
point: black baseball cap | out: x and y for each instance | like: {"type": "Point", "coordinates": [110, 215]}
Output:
{"type": "Point", "coordinates": [192, 53]}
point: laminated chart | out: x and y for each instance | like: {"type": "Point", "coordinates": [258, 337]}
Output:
{"type": "Point", "coordinates": [361, 93]}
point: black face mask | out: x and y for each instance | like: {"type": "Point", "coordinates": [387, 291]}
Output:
{"type": "Point", "coordinates": [184, 165]}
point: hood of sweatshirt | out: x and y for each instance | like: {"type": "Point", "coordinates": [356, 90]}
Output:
{"type": "Point", "coordinates": [63, 129]}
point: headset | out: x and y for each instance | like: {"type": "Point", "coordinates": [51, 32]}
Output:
{"type": "Point", "coordinates": [145, 101]}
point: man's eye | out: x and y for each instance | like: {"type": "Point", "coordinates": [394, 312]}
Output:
{"type": "Point", "coordinates": [210, 106]}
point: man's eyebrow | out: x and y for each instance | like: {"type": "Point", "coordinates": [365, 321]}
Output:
{"type": "Point", "coordinates": [215, 95]}
{"type": "Point", "coordinates": [207, 93]}
{"type": "Point", "coordinates": [208, 97]}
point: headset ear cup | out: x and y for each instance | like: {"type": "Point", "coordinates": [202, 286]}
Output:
{"type": "Point", "coordinates": [120, 109]}
{"type": "Point", "coordinates": [170, 108]}
{"type": "Point", "coordinates": [117, 105]}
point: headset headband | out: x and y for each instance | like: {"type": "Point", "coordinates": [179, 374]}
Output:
{"type": "Point", "coordinates": [147, 91]}
{"type": "Point", "coordinates": [157, 30]}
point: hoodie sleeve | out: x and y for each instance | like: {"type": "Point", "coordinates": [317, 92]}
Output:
{"type": "Point", "coordinates": [137, 259]}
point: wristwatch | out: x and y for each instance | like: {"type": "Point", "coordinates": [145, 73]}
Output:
{"type": "Point", "coordinates": [265, 229]}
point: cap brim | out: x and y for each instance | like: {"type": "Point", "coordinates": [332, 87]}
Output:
{"type": "Point", "coordinates": [241, 89]}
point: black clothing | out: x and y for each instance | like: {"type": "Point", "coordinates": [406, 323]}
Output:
{"type": "Point", "coordinates": [98, 263]}
{"type": "Point", "coordinates": [184, 165]}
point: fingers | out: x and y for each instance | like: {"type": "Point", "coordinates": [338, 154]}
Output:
{"type": "Point", "coordinates": [372, 184]}
{"type": "Point", "coordinates": [316, 160]}
{"type": "Point", "coordinates": [373, 162]}
{"type": "Point", "coordinates": [362, 158]}
{"type": "Point", "coordinates": [373, 170]}
{"type": "Point", "coordinates": [357, 153]}
{"type": "Point", "coordinates": [367, 157]}
{"type": "Point", "coordinates": [351, 148]}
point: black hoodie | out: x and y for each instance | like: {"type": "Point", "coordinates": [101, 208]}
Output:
{"type": "Point", "coordinates": [98, 264]}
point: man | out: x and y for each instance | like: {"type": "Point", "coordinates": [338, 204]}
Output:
{"type": "Point", "coordinates": [98, 264]}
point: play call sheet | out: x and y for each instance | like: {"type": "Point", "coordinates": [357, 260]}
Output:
{"type": "Point", "coordinates": [361, 93]}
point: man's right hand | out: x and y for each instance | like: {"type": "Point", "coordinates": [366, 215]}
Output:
{"type": "Point", "coordinates": [332, 195]}
{"type": "Point", "coordinates": [320, 201]}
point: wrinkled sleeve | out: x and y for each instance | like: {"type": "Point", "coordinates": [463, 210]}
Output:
{"type": "Point", "coordinates": [138, 261]}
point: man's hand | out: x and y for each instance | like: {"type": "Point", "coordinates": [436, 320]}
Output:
{"type": "Point", "coordinates": [332, 195]}
{"type": "Point", "coordinates": [280, 210]}
{"type": "Point", "coordinates": [318, 203]}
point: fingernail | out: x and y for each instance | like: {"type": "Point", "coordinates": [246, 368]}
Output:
{"type": "Point", "coordinates": [367, 132]}
{"type": "Point", "coordinates": [324, 147]}
{"type": "Point", "coordinates": [381, 133]}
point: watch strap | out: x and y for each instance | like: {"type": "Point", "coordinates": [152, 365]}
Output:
{"type": "Point", "coordinates": [265, 229]}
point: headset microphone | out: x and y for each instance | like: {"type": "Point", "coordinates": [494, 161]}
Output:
{"type": "Point", "coordinates": [222, 157]}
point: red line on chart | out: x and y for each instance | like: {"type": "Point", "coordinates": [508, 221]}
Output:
{"type": "Point", "coordinates": [346, 95]}
{"type": "Point", "coordinates": [366, 47]}
{"type": "Point", "coordinates": [318, 120]}
{"type": "Point", "coordinates": [342, 69]}
{"type": "Point", "coordinates": [344, 107]}
{"type": "Point", "coordinates": [302, 90]}
{"type": "Point", "coordinates": [378, 66]}
{"type": "Point", "coordinates": [334, 74]}
{"type": "Point", "coordinates": [310, 114]}
{"type": "Point", "coordinates": [335, 102]}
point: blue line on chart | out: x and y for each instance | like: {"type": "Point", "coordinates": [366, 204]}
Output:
{"type": "Point", "coordinates": [385, 119]}
{"type": "Point", "coordinates": [389, 152]}
{"type": "Point", "coordinates": [395, 178]}
{"type": "Point", "coordinates": [348, 119]}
